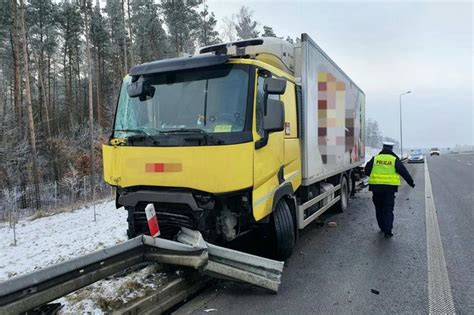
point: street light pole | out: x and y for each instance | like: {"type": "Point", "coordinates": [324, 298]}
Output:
{"type": "Point", "coordinates": [401, 130]}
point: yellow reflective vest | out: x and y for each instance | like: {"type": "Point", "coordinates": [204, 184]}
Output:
{"type": "Point", "coordinates": [383, 171]}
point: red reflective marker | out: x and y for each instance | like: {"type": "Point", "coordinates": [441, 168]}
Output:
{"type": "Point", "coordinates": [152, 220]}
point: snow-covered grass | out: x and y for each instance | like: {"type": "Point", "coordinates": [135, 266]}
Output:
{"type": "Point", "coordinates": [53, 239]}
{"type": "Point", "coordinates": [114, 293]}
{"type": "Point", "coordinates": [47, 240]}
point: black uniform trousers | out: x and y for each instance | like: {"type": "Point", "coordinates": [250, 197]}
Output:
{"type": "Point", "coordinates": [384, 202]}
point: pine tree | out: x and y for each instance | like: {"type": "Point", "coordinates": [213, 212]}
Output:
{"type": "Point", "coordinates": [29, 104]}
{"type": "Point", "coordinates": [182, 20]}
{"type": "Point", "coordinates": [373, 135]}
{"type": "Point", "coordinates": [99, 38]}
{"type": "Point", "coordinates": [70, 21]}
{"type": "Point", "coordinates": [268, 32]}
{"type": "Point", "coordinates": [207, 35]}
{"type": "Point", "coordinates": [116, 29]}
{"type": "Point", "coordinates": [15, 44]}
{"type": "Point", "coordinates": [87, 35]}
{"type": "Point", "coordinates": [41, 31]}
{"type": "Point", "coordinates": [130, 33]}
{"type": "Point", "coordinates": [150, 39]}
{"type": "Point", "coordinates": [245, 26]}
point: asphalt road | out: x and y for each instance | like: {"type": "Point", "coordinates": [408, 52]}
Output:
{"type": "Point", "coordinates": [352, 268]}
{"type": "Point", "coordinates": [452, 178]}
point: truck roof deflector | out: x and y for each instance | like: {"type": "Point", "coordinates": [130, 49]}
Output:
{"type": "Point", "coordinates": [175, 64]}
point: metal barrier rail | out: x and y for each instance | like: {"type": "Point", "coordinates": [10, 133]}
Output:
{"type": "Point", "coordinates": [27, 292]}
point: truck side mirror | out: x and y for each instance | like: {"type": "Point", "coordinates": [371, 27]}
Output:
{"type": "Point", "coordinates": [140, 89]}
{"type": "Point", "coordinates": [274, 86]}
{"type": "Point", "coordinates": [274, 119]}
{"type": "Point", "coordinates": [135, 89]}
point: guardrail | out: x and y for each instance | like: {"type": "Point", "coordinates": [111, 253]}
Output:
{"type": "Point", "coordinates": [27, 292]}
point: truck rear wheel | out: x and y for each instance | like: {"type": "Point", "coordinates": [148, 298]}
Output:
{"type": "Point", "coordinates": [284, 238]}
{"type": "Point", "coordinates": [341, 205]}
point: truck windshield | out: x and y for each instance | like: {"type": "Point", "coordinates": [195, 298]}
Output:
{"type": "Point", "coordinates": [199, 100]}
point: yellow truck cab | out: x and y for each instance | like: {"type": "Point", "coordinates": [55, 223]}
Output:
{"type": "Point", "coordinates": [243, 135]}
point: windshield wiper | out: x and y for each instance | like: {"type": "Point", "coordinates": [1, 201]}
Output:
{"type": "Point", "coordinates": [140, 131]}
{"type": "Point", "coordinates": [140, 134]}
{"type": "Point", "coordinates": [185, 130]}
{"type": "Point", "coordinates": [200, 135]}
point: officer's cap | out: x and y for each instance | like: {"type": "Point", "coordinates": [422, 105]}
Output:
{"type": "Point", "coordinates": [388, 144]}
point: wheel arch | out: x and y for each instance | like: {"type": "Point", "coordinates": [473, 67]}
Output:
{"type": "Point", "coordinates": [286, 193]}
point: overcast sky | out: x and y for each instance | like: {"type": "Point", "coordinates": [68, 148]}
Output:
{"type": "Point", "coordinates": [388, 48]}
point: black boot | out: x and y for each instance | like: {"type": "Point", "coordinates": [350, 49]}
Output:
{"type": "Point", "coordinates": [388, 235]}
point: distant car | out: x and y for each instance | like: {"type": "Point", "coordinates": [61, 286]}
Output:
{"type": "Point", "coordinates": [434, 151]}
{"type": "Point", "coordinates": [416, 156]}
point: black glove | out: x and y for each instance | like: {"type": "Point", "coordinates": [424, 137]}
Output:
{"type": "Point", "coordinates": [412, 185]}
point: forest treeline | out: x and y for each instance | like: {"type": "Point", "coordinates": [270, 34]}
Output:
{"type": "Point", "coordinates": [61, 64]}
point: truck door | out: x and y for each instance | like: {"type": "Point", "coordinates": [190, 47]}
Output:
{"type": "Point", "coordinates": [268, 156]}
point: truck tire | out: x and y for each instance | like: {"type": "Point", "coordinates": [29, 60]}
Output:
{"type": "Point", "coordinates": [284, 229]}
{"type": "Point", "coordinates": [341, 205]}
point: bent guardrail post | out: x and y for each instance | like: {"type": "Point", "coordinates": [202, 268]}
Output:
{"type": "Point", "coordinates": [164, 251]}
{"type": "Point", "coordinates": [235, 265]}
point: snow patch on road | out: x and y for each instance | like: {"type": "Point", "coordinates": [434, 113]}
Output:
{"type": "Point", "coordinates": [60, 237]}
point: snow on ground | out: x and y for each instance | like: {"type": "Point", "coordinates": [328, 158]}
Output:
{"type": "Point", "coordinates": [113, 293]}
{"type": "Point", "coordinates": [50, 240]}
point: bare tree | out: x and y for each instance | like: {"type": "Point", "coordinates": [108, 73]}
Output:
{"type": "Point", "coordinates": [72, 182]}
{"type": "Point", "coordinates": [228, 29]}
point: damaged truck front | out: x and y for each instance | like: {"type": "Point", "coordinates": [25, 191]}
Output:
{"type": "Point", "coordinates": [218, 142]}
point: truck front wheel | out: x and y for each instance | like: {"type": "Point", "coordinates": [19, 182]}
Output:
{"type": "Point", "coordinates": [284, 237]}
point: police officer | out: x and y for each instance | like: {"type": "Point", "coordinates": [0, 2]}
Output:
{"type": "Point", "coordinates": [384, 171]}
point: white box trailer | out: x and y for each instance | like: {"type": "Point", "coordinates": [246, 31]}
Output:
{"type": "Point", "coordinates": [332, 115]}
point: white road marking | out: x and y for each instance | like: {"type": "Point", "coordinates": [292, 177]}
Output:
{"type": "Point", "coordinates": [469, 163]}
{"type": "Point", "coordinates": [439, 291]}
